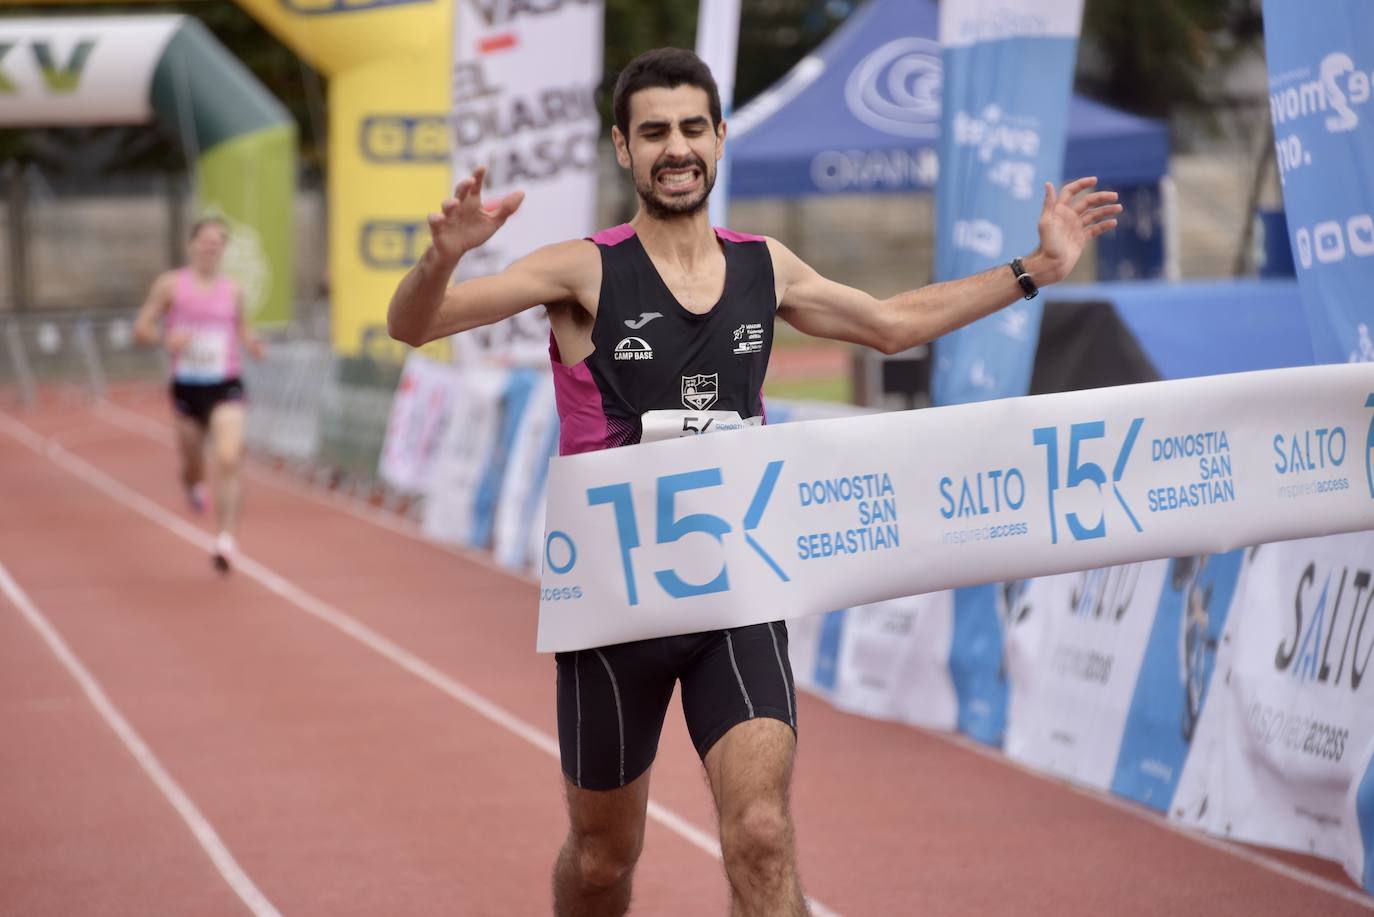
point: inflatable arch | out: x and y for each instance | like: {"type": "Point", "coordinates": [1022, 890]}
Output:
{"type": "Point", "coordinates": [389, 65]}
{"type": "Point", "coordinates": [130, 69]}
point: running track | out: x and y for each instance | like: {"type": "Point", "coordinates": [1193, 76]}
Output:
{"type": "Point", "coordinates": [355, 722]}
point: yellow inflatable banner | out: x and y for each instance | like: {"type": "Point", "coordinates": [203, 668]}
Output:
{"type": "Point", "coordinates": [388, 64]}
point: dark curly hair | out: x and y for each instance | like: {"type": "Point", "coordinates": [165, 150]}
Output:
{"type": "Point", "coordinates": [663, 68]}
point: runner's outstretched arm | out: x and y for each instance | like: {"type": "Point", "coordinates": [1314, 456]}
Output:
{"type": "Point", "coordinates": [425, 307]}
{"type": "Point", "coordinates": [828, 309]}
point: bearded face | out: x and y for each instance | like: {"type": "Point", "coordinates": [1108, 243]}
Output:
{"type": "Point", "coordinates": [672, 150]}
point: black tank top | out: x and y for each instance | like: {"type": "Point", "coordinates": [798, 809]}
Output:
{"type": "Point", "coordinates": [657, 370]}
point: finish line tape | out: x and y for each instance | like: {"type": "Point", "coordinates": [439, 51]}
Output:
{"type": "Point", "coordinates": [778, 522]}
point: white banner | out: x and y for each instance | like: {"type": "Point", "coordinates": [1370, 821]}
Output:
{"type": "Point", "coordinates": [1073, 657]}
{"type": "Point", "coordinates": [86, 70]}
{"type": "Point", "coordinates": [894, 661]}
{"type": "Point", "coordinates": [454, 507]}
{"type": "Point", "coordinates": [524, 105]}
{"type": "Point", "coordinates": [968, 22]}
{"type": "Point", "coordinates": [1280, 741]}
{"type": "Point", "coordinates": [419, 413]}
{"type": "Point", "coordinates": [720, 531]}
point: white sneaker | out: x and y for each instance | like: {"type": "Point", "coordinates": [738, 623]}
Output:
{"type": "Point", "coordinates": [225, 550]}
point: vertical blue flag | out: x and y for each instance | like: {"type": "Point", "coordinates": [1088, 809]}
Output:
{"type": "Point", "coordinates": [1008, 74]}
{"type": "Point", "coordinates": [1321, 100]}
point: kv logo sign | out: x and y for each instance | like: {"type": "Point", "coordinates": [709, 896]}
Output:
{"type": "Point", "coordinates": [63, 78]}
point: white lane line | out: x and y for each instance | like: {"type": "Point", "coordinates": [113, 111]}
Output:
{"type": "Point", "coordinates": [203, 832]}
{"type": "Point", "coordinates": [1151, 817]}
{"type": "Point", "coordinates": [322, 610]}
{"type": "Point", "coordinates": [134, 422]}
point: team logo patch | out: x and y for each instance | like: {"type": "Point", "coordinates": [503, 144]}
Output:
{"type": "Point", "coordinates": [633, 349]}
{"type": "Point", "coordinates": [748, 338]}
{"type": "Point", "coordinates": [699, 392]}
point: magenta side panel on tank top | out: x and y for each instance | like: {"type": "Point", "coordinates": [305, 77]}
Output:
{"type": "Point", "coordinates": [582, 420]}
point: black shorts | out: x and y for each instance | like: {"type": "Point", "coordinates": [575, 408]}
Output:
{"type": "Point", "coordinates": [198, 401]}
{"type": "Point", "coordinates": [612, 700]}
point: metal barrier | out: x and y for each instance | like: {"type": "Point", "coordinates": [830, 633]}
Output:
{"type": "Point", "coordinates": [80, 352]}
{"type": "Point", "coordinates": [322, 415]}
{"type": "Point", "coordinates": [287, 391]}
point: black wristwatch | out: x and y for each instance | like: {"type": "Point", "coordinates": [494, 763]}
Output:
{"type": "Point", "coordinates": [1028, 286]}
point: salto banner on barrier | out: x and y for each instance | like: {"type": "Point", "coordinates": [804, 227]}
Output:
{"type": "Point", "coordinates": [722, 531]}
{"type": "Point", "coordinates": [1281, 737]}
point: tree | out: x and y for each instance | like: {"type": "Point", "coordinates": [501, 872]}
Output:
{"type": "Point", "coordinates": [1157, 57]}
{"type": "Point", "coordinates": [773, 36]}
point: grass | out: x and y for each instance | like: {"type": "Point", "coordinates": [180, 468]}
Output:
{"type": "Point", "coordinates": [829, 388]}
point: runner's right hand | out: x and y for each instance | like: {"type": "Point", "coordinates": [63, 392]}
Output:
{"type": "Point", "coordinates": [176, 342]}
{"type": "Point", "coordinates": [464, 223]}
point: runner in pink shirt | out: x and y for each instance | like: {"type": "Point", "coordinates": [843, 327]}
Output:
{"type": "Point", "coordinates": [197, 313]}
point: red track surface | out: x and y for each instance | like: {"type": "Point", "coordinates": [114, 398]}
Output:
{"type": "Point", "coordinates": [343, 782]}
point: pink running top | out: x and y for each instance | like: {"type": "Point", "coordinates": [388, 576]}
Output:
{"type": "Point", "coordinates": [212, 318]}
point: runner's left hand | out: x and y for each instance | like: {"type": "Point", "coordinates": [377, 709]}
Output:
{"type": "Point", "coordinates": [1069, 219]}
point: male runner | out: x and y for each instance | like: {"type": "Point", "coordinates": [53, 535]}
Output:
{"type": "Point", "coordinates": [203, 326]}
{"type": "Point", "coordinates": [659, 326]}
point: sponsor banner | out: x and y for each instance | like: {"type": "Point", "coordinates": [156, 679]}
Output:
{"type": "Point", "coordinates": [419, 415]}
{"type": "Point", "coordinates": [524, 105]}
{"type": "Point", "coordinates": [1073, 656]}
{"type": "Point", "coordinates": [718, 46]}
{"type": "Point", "coordinates": [515, 399]}
{"type": "Point", "coordinates": [1175, 676]}
{"type": "Point", "coordinates": [813, 647]}
{"type": "Point", "coordinates": [894, 661]}
{"type": "Point", "coordinates": [1278, 746]}
{"type": "Point", "coordinates": [714, 531]}
{"type": "Point", "coordinates": [1359, 822]}
{"type": "Point", "coordinates": [976, 660]}
{"type": "Point", "coordinates": [803, 651]}
{"type": "Point", "coordinates": [1008, 72]}
{"type": "Point", "coordinates": [1320, 72]}
{"type": "Point", "coordinates": [83, 70]}
{"type": "Point", "coordinates": [519, 524]}
{"type": "Point", "coordinates": [454, 505]}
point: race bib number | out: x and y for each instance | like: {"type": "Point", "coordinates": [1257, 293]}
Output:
{"type": "Point", "coordinates": [660, 425]}
{"type": "Point", "coordinates": [205, 357]}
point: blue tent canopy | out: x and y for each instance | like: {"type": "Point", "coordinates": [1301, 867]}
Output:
{"type": "Point", "coordinates": [862, 114]}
